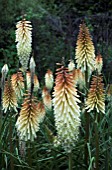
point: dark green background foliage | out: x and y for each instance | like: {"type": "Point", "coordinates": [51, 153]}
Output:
{"type": "Point", "coordinates": [55, 28]}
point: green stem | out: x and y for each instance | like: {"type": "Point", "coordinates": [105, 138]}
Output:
{"type": "Point", "coordinates": [70, 160]}
{"type": "Point", "coordinates": [11, 144]}
{"type": "Point", "coordinates": [87, 122]}
{"type": "Point", "coordinates": [29, 154]}
{"type": "Point", "coordinates": [96, 142]}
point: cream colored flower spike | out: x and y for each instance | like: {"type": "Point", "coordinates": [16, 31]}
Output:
{"type": "Point", "coordinates": [85, 53]}
{"type": "Point", "coordinates": [66, 109]}
{"type": "Point", "coordinates": [96, 96]}
{"type": "Point", "coordinates": [24, 42]}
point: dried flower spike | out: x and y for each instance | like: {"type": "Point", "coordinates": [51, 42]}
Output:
{"type": "Point", "coordinates": [24, 42]}
{"type": "Point", "coordinates": [85, 56]}
{"type": "Point", "coordinates": [28, 121]}
{"type": "Point", "coordinates": [18, 84]}
{"type": "Point", "coordinates": [96, 97]}
{"type": "Point", "coordinates": [9, 98]}
{"type": "Point", "coordinates": [49, 80]}
{"type": "Point", "coordinates": [66, 109]}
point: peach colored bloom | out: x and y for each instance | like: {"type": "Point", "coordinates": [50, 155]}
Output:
{"type": "Point", "coordinates": [9, 101]}
{"type": "Point", "coordinates": [66, 108]}
{"type": "Point", "coordinates": [18, 84]}
{"type": "Point", "coordinates": [85, 53]}
{"type": "Point", "coordinates": [96, 96]}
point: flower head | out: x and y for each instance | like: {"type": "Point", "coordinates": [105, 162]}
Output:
{"type": "Point", "coordinates": [24, 41]}
{"type": "Point", "coordinates": [18, 84]}
{"type": "Point", "coordinates": [96, 95]}
{"type": "Point", "coordinates": [85, 56]}
{"type": "Point", "coordinates": [28, 121]}
{"type": "Point", "coordinates": [9, 98]}
{"type": "Point", "coordinates": [66, 109]}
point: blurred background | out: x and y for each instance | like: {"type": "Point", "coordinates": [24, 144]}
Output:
{"type": "Point", "coordinates": [55, 29]}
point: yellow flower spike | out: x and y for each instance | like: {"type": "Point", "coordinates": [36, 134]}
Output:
{"type": "Point", "coordinates": [85, 53]}
{"type": "Point", "coordinates": [46, 98]}
{"type": "Point", "coordinates": [96, 96]}
{"type": "Point", "coordinates": [24, 42]}
{"type": "Point", "coordinates": [28, 121]}
{"type": "Point", "coordinates": [99, 63]}
{"type": "Point", "coordinates": [49, 80]}
{"type": "Point", "coordinates": [18, 84]}
{"type": "Point", "coordinates": [9, 101]}
{"type": "Point", "coordinates": [66, 109]}
{"type": "Point", "coordinates": [36, 82]}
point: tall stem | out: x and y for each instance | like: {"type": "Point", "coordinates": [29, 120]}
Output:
{"type": "Point", "coordinates": [96, 142]}
{"type": "Point", "coordinates": [29, 154]}
{"type": "Point", "coordinates": [11, 145]}
{"type": "Point", "coordinates": [70, 160]}
{"type": "Point", "coordinates": [87, 122]}
{"type": "Point", "coordinates": [87, 119]}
